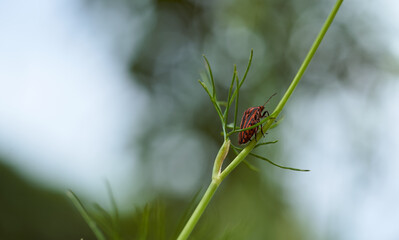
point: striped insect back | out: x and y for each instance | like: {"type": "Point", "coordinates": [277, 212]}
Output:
{"type": "Point", "coordinates": [251, 117]}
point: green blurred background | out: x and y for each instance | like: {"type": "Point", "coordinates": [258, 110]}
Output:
{"type": "Point", "coordinates": [96, 91]}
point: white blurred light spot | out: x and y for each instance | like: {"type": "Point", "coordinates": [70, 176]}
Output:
{"type": "Point", "coordinates": [67, 107]}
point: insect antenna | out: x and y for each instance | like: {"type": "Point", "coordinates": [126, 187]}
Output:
{"type": "Point", "coordinates": [269, 98]}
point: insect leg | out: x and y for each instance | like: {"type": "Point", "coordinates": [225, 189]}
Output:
{"type": "Point", "coordinates": [264, 113]}
{"type": "Point", "coordinates": [256, 130]}
{"type": "Point", "coordinates": [261, 130]}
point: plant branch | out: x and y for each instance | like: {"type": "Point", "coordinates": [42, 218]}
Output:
{"type": "Point", "coordinates": [188, 228]}
{"type": "Point", "coordinates": [308, 58]}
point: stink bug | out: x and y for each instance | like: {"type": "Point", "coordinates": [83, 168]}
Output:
{"type": "Point", "coordinates": [251, 117]}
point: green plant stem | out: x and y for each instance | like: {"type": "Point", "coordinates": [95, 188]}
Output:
{"type": "Point", "coordinates": [307, 60]}
{"type": "Point", "coordinates": [223, 151]}
{"type": "Point", "coordinates": [199, 210]}
{"type": "Point", "coordinates": [216, 180]}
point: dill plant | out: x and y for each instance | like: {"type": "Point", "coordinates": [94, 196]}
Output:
{"type": "Point", "coordinates": [219, 174]}
{"type": "Point", "coordinates": [105, 225]}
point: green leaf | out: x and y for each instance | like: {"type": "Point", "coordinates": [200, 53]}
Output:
{"type": "Point", "coordinates": [265, 143]}
{"type": "Point", "coordinates": [275, 164]}
{"type": "Point", "coordinates": [86, 216]}
{"type": "Point", "coordinates": [211, 76]}
{"type": "Point", "coordinates": [226, 111]}
{"type": "Point", "coordinates": [104, 220]}
{"type": "Point", "coordinates": [115, 218]}
{"type": "Point", "coordinates": [239, 83]}
{"type": "Point", "coordinates": [207, 83]}
{"type": "Point", "coordinates": [144, 226]}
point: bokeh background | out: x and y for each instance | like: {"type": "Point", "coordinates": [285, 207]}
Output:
{"type": "Point", "coordinates": [98, 90]}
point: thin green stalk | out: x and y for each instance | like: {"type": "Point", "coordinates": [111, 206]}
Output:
{"type": "Point", "coordinates": [265, 143]}
{"type": "Point", "coordinates": [199, 210]}
{"type": "Point", "coordinates": [236, 107]}
{"type": "Point", "coordinates": [245, 76]}
{"type": "Point", "coordinates": [226, 111]}
{"type": "Point", "coordinates": [277, 165]}
{"type": "Point", "coordinates": [228, 104]}
{"type": "Point", "coordinates": [211, 75]}
{"type": "Point", "coordinates": [308, 58]}
{"type": "Point", "coordinates": [216, 105]}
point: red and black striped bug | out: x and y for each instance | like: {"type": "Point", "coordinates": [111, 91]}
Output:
{"type": "Point", "coordinates": [251, 117]}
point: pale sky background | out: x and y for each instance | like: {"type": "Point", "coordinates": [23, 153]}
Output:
{"type": "Point", "coordinates": [64, 99]}
{"type": "Point", "coordinates": [67, 102]}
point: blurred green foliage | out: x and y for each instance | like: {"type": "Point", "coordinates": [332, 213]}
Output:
{"type": "Point", "coordinates": [31, 212]}
{"type": "Point", "coordinates": [237, 212]}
